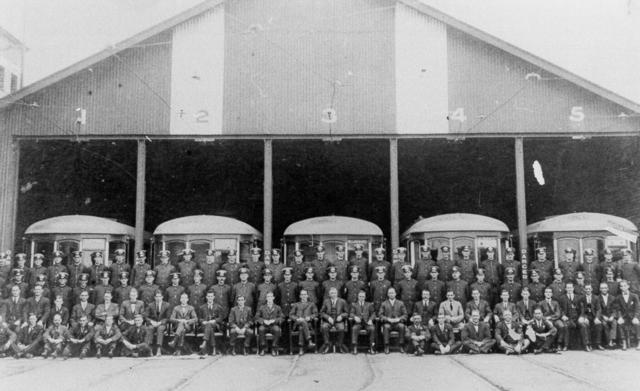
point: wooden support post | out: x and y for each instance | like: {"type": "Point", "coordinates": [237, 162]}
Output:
{"type": "Point", "coordinates": [9, 171]}
{"type": "Point", "coordinates": [140, 194]}
{"type": "Point", "coordinates": [521, 196]}
{"type": "Point", "coordinates": [267, 225]}
{"type": "Point", "coordinates": [393, 185]}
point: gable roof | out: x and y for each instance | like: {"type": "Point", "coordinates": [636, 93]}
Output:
{"type": "Point", "coordinates": [416, 4]}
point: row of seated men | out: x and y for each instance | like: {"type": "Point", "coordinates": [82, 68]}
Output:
{"type": "Point", "coordinates": [133, 327]}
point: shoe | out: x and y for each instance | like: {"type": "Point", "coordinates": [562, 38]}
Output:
{"type": "Point", "coordinates": [565, 348]}
{"type": "Point", "coordinates": [134, 354]}
{"type": "Point", "coordinates": [203, 345]}
{"type": "Point", "coordinates": [54, 355]}
{"type": "Point", "coordinates": [245, 352]}
{"type": "Point", "coordinates": [82, 355]}
{"type": "Point", "coordinates": [233, 351]}
{"type": "Point", "coordinates": [508, 352]}
{"type": "Point", "coordinates": [324, 349]}
{"type": "Point", "coordinates": [372, 349]}
{"type": "Point", "coordinates": [274, 352]}
{"type": "Point", "coordinates": [386, 349]}
{"type": "Point", "coordinates": [402, 349]}
{"type": "Point", "coordinates": [344, 349]}
{"type": "Point", "coordinates": [262, 352]}
{"type": "Point", "coordinates": [638, 347]}
{"type": "Point", "coordinates": [473, 352]}
{"type": "Point", "coordinates": [587, 348]}
{"type": "Point", "coordinates": [311, 344]}
{"type": "Point", "coordinates": [214, 351]}
{"type": "Point", "coordinates": [172, 344]}
{"type": "Point", "coordinates": [110, 354]}
{"type": "Point", "coordinates": [176, 353]}
{"type": "Point", "coordinates": [98, 353]}
{"type": "Point", "coordinates": [159, 352]}
{"type": "Point", "coordinates": [624, 345]}
{"type": "Point", "coordinates": [537, 351]}
{"type": "Point", "coordinates": [600, 347]}
{"type": "Point", "coordinates": [300, 351]}
{"type": "Point", "coordinates": [355, 351]}
{"type": "Point", "coordinates": [420, 352]}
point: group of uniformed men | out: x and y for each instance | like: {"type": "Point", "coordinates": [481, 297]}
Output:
{"type": "Point", "coordinates": [444, 306]}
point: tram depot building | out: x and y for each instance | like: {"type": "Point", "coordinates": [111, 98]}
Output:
{"type": "Point", "coordinates": [272, 112]}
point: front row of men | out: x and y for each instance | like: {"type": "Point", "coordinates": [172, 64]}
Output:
{"type": "Point", "coordinates": [133, 330]}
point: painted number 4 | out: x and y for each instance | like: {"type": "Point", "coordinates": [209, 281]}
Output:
{"type": "Point", "coordinates": [458, 115]}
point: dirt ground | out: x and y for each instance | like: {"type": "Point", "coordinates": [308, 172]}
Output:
{"type": "Point", "coordinates": [609, 370]}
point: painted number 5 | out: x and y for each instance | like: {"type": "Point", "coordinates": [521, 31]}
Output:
{"type": "Point", "coordinates": [458, 115]}
{"type": "Point", "coordinates": [577, 114]}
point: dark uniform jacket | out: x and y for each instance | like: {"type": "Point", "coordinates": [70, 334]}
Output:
{"type": "Point", "coordinates": [129, 309]}
{"type": "Point", "coordinates": [186, 269]}
{"type": "Point", "coordinates": [427, 312]}
{"type": "Point", "coordinates": [328, 284]}
{"type": "Point", "coordinates": [525, 311]}
{"type": "Point", "coordinates": [437, 288]}
{"type": "Point", "coordinates": [215, 312]}
{"type": "Point", "coordinates": [570, 308]}
{"type": "Point", "coordinates": [460, 290]}
{"type": "Point", "coordinates": [379, 291]}
{"type": "Point", "coordinates": [197, 293]}
{"type": "Point", "coordinates": [589, 309]}
{"type": "Point", "coordinates": [443, 335]}
{"type": "Point", "coordinates": [136, 335]}
{"type": "Point", "coordinates": [629, 308]}
{"type": "Point", "coordinates": [78, 311]}
{"type": "Point", "coordinates": [222, 296]}
{"type": "Point", "coordinates": [156, 314]}
{"type": "Point", "coordinates": [287, 294]}
{"type": "Point", "coordinates": [138, 273]}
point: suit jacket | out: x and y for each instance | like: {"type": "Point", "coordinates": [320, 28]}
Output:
{"type": "Point", "coordinates": [101, 311]}
{"type": "Point", "coordinates": [453, 310]}
{"type": "Point", "coordinates": [266, 313]}
{"type": "Point", "coordinates": [502, 332]}
{"type": "Point", "coordinates": [426, 312]}
{"type": "Point", "coordinates": [609, 308]}
{"type": "Point", "coordinates": [395, 310]}
{"type": "Point", "coordinates": [240, 317]}
{"type": "Point", "coordinates": [550, 311]}
{"type": "Point", "coordinates": [64, 314]}
{"type": "Point", "coordinates": [103, 333]}
{"type": "Point", "coordinates": [216, 313]}
{"type": "Point", "coordinates": [341, 309]}
{"type": "Point", "coordinates": [83, 333]}
{"type": "Point", "coordinates": [589, 310]}
{"type": "Point", "coordinates": [629, 309]}
{"type": "Point", "coordinates": [365, 311]}
{"type": "Point", "coordinates": [469, 332]}
{"type": "Point", "coordinates": [187, 313]}
{"type": "Point", "coordinates": [545, 326]}
{"type": "Point", "coordinates": [443, 336]}
{"type": "Point", "coordinates": [42, 308]}
{"type": "Point", "coordinates": [126, 312]}
{"type": "Point", "coordinates": [54, 332]}
{"type": "Point", "coordinates": [15, 310]}
{"type": "Point", "coordinates": [77, 312]}
{"type": "Point", "coordinates": [136, 335]}
{"type": "Point", "coordinates": [303, 310]}
{"type": "Point", "coordinates": [525, 312]}
{"type": "Point", "coordinates": [27, 337]}
{"type": "Point", "coordinates": [570, 308]}
{"type": "Point", "coordinates": [482, 306]}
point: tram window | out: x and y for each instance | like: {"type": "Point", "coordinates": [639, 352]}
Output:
{"type": "Point", "coordinates": [89, 246]}
{"type": "Point", "coordinates": [67, 247]}
{"type": "Point", "coordinates": [437, 243]}
{"type": "Point", "coordinates": [483, 243]}
{"type": "Point", "coordinates": [113, 246]}
{"type": "Point", "coordinates": [175, 248]}
{"type": "Point", "coordinates": [564, 243]}
{"type": "Point", "coordinates": [458, 243]}
{"type": "Point", "coordinates": [245, 251]}
{"type": "Point", "coordinates": [200, 249]}
{"type": "Point", "coordinates": [594, 242]}
{"type": "Point", "coordinates": [45, 248]}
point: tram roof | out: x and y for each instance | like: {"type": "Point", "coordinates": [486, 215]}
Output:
{"type": "Point", "coordinates": [333, 225]}
{"type": "Point", "coordinates": [457, 222]}
{"type": "Point", "coordinates": [79, 224]}
{"type": "Point", "coordinates": [206, 224]}
{"type": "Point", "coordinates": [583, 221]}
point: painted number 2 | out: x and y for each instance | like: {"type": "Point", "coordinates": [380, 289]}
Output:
{"type": "Point", "coordinates": [458, 115]}
{"type": "Point", "coordinates": [202, 116]}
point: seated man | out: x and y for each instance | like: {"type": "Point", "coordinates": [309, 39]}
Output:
{"type": "Point", "coordinates": [452, 310]}
{"type": "Point", "coordinates": [157, 315]}
{"type": "Point", "coordinates": [54, 338]}
{"type": "Point", "coordinates": [426, 308]}
{"type": "Point", "coordinates": [419, 335]}
{"type": "Point", "coordinates": [334, 313]}
{"type": "Point", "coordinates": [477, 303]}
{"type": "Point", "coordinates": [240, 322]}
{"type": "Point", "coordinates": [107, 308]}
{"type": "Point", "coordinates": [79, 338]}
{"type": "Point", "coordinates": [39, 305]}
{"type": "Point", "coordinates": [542, 334]}
{"type": "Point", "coordinates": [392, 314]}
{"type": "Point", "coordinates": [83, 308]}
{"type": "Point", "coordinates": [444, 340]}
{"type": "Point", "coordinates": [269, 318]}
{"type": "Point", "coordinates": [106, 337]}
{"type": "Point", "coordinates": [509, 336]}
{"type": "Point", "coordinates": [476, 335]}
{"type": "Point", "coordinates": [551, 312]}
{"type": "Point", "coordinates": [362, 315]}
{"type": "Point", "coordinates": [183, 318]}
{"type": "Point", "coordinates": [303, 313]}
{"type": "Point", "coordinates": [211, 318]}
{"type": "Point", "coordinates": [134, 339]}
{"type": "Point", "coordinates": [129, 309]}
{"type": "Point", "coordinates": [29, 340]}
{"type": "Point", "coordinates": [504, 305]}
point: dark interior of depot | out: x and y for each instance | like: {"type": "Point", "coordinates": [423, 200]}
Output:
{"type": "Point", "coordinates": [316, 178]}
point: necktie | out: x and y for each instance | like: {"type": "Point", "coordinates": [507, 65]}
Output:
{"type": "Point", "coordinates": [451, 306]}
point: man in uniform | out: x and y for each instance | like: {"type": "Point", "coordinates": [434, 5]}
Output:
{"type": "Point", "coordinates": [157, 315]}
{"type": "Point", "coordinates": [298, 266]}
{"type": "Point", "coordinates": [83, 308]}
{"type": "Point", "coordinates": [557, 285]}
{"type": "Point", "coordinates": [232, 267]}
{"type": "Point", "coordinates": [444, 340]}
{"type": "Point", "coordinates": [245, 289]}
{"type": "Point", "coordinates": [630, 271]}
{"type": "Point", "coordinates": [120, 265]}
{"type": "Point", "coordinates": [476, 335]}
{"type": "Point", "coordinates": [240, 324]}
{"type": "Point", "coordinates": [38, 269]}
{"type": "Point", "coordinates": [378, 261]}
{"type": "Point", "coordinates": [609, 263]}
{"type": "Point", "coordinates": [543, 265]}
{"type": "Point", "coordinates": [320, 264]}
{"type": "Point", "coordinates": [197, 290]}
{"type": "Point", "coordinates": [54, 338]}
{"type": "Point", "coordinates": [222, 291]}
{"type": "Point", "coordinates": [459, 287]}
{"type": "Point", "coordinates": [139, 270]}
{"type": "Point", "coordinates": [42, 281]}
{"type": "Point", "coordinates": [570, 309]}
{"type": "Point", "coordinates": [362, 316]}
{"type": "Point", "coordinates": [186, 267]}
{"type": "Point", "coordinates": [628, 315]}
{"type": "Point", "coordinates": [589, 306]}
{"type": "Point", "coordinates": [466, 265]}
{"type": "Point", "coordinates": [17, 280]}
{"type": "Point", "coordinates": [184, 318]}
{"type": "Point", "coordinates": [82, 286]}
{"type": "Point", "coordinates": [99, 290]}
{"type": "Point", "coordinates": [265, 287]}
{"type": "Point", "coordinates": [106, 309]}
{"type": "Point", "coordinates": [269, 318]}
{"type": "Point", "coordinates": [76, 268]}
{"type": "Point", "coordinates": [38, 305]}
{"type": "Point", "coordinates": [123, 290]}
{"type": "Point", "coordinates": [79, 338]}
{"type": "Point", "coordinates": [511, 262]}
{"type": "Point", "coordinates": [423, 265]}
{"type": "Point", "coordinates": [426, 308]}
{"type": "Point", "coordinates": [544, 332]}
{"type": "Point", "coordinates": [445, 264]}
{"type": "Point", "coordinates": [286, 291]}
{"type": "Point", "coordinates": [21, 264]}
{"type": "Point", "coordinates": [275, 265]}
{"type": "Point", "coordinates": [407, 288]}
{"type": "Point", "coordinates": [509, 335]}
{"type": "Point", "coordinates": [436, 286]}
{"type": "Point", "coordinates": [311, 286]}
{"type": "Point", "coordinates": [303, 314]}
{"type": "Point", "coordinates": [255, 266]}
{"type": "Point", "coordinates": [334, 313]}
{"type": "Point", "coordinates": [164, 270]}
{"type": "Point", "coordinates": [174, 291]}
{"type": "Point", "coordinates": [341, 264]}
{"type": "Point", "coordinates": [211, 318]}
{"type": "Point", "coordinates": [209, 268]}
{"type": "Point", "coordinates": [399, 266]}
{"type": "Point", "coordinates": [359, 260]}
{"type": "Point", "coordinates": [379, 287]}
{"type": "Point", "coordinates": [606, 315]}
{"type": "Point", "coordinates": [134, 340]}
{"type": "Point", "coordinates": [536, 288]}
{"type": "Point", "coordinates": [353, 287]}
{"type": "Point", "coordinates": [486, 290]}
{"type": "Point", "coordinates": [514, 288]}
{"type": "Point", "coordinates": [129, 309]}
{"type": "Point", "coordinates": [106, 337]}
{"type": "Point", "coordinates": [148, 290]}
{"type": "Point", "coordinates": [569, 265]}
{"type": "Point", "coordinates": [56, 268]}
{"type": "Point", "coordinates": [97, 267]}
{"type": "Point", "coordinates": [29, 338]}
{"type": "Point", "coordinates": [493, 271]}
{"type": "Point", "coordinates": [614, 286]}
{"type": "Point", "coordinates": [392, 314]}
{"type": "Point", "coordinates": [591, 270]}
{"type": "Point", "coordinates": [332, 282]}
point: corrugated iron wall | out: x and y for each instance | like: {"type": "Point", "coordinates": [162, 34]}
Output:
{"type": "Point", "coordinates": [287, 61]}
{"type": "Point", "coordinates": [128, 93]}
{"type": "Point", "coordinates": [9, 154]}
{"type": "Point", "coordinates": [490, 88]}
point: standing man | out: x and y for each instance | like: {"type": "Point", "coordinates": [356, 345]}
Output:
{"type": "Point", "coordinates": [287, 291]}
{"type": "Point", "coordinates": [120, 265]}
{"type": "Point", "coordinates": [164, 270]}
{"type": "Point", "coordinates": [543, 265]}
{"type": "Point", "coordinates": [187, 267]}
{"type": "Point", "coordinates": [56, 268]}
{"type": "Point", "coordinates": [379, 287]}
{"type": "Point", "coordinates": [320, 264]}
{"type": "Point", "coordinates": [140, 268]}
